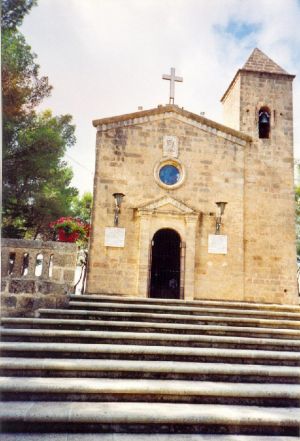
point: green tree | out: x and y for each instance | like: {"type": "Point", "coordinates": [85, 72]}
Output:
{"type": "Point", "coordinates": [36, 180]}
{"type": "Point", "coordinates": [22, 88]}
{"type": "Point", "coordinates": [13, 12]}
{"type": "Point", "coordinates": [82, 206]}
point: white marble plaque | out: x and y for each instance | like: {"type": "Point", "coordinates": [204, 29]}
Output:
{"type": "Point", "coordinates": [217, 244]}
{"type": "Point", "coordinates": [170, 146]}
{"type": "Point", "coordinates": [114, 237]}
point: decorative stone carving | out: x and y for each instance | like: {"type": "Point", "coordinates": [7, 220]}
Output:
{"type": "Point", "coordinates": [166, 204]}
{"type": "Point", "coordinates": [170, 146]}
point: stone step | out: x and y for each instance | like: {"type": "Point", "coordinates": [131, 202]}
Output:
{"type": "Point", "coordinates": [117, 351]}
{"type": "Point", "coordinates": [107, 389]}
{"type": "Point", "coordinates": [177, 309]}
{"type": "Point", "coordinates": [137, 437]}
{"type": "Point", "coordinates": [183, 303]}
{"type": "Point", "coordinates": [140, 338]}
{"type": "Point", "coordinates": [83, 417]}
{"type": "Point", "coordinates": [174, 318]}
{"type": "Point", "coordinates": [61, 323]}
{"type": "Point", "coordinates": [148, 369]}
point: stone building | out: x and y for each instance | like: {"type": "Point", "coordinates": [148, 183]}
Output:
{"type": "Point", "coordinates": [173, 166]}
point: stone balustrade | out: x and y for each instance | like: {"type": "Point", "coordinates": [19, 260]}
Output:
{"type": "Point", "coordinates": [35, 274]}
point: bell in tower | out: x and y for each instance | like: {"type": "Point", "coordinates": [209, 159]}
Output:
{"type": "Point", "coordinates": [264, 123]}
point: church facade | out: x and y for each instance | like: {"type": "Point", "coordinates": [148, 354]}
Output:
{"type": "Point", "coordinates": [200, 210]}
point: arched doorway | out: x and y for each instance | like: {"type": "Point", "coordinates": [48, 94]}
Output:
{"type": "Point", "coordinates": [165, 265]}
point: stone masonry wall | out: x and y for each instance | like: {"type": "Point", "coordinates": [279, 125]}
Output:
{"type": "Point", "coordinates": [126, 159]}
{"type": "Point", "coordinates": [231, 106]}
{"type": "Point", "coordinates": [28, 286]}
{"type": "Point", "coordinates": [253, 175]}
{"type": "Point", "coordinates": [270, 252]}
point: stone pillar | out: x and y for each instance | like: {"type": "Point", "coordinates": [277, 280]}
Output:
{"type": "Point", "coordinates": [31, 263]}
{"type": "Point", "coordinates": [189, 285]}
{"type": "Point", "coordinates": [4, 261]}
{"type": "Point", "coordinates": [144, 244]}
{"type": "Point", "coordinates": [17, 269]}
{"type": "Point", "coordinates": [46, 262]}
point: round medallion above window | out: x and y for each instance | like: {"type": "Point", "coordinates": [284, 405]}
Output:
{"type": "Point", "coordinates": [169, 173]}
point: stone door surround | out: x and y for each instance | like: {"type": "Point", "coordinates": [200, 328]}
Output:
{"type": "Point", "coordinates": [167, 212]}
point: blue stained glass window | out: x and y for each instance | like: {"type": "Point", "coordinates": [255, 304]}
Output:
{"type": "Point", "coordinates": [169, 174]}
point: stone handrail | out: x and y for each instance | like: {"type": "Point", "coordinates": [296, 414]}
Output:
{"type": "Point", "coordinates": [33, 268]}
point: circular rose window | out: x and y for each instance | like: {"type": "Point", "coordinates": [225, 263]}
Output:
{"type": "Point", "coordinates": [169, 173]}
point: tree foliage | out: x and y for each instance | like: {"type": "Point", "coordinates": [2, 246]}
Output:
{"type": "Point", "coordinates": [13, 12]}
{"type": "Point", "coordinates": [82, 206]}
{"type": "Point", "coordinates": [36, 180]}
{"type": "Point", "coordinates": [22, 88]}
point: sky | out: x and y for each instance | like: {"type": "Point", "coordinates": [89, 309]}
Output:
{"type": "Point", "coordinates": [107, 57]}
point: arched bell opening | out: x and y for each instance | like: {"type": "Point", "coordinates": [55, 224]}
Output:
{"type": "Point", "coordinates": [165, 264]}
{"type": "Point", "coordinates": [264, 116]}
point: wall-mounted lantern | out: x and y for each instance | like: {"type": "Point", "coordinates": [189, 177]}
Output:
{"type": "Point", "coordinates": [118, 200]}
{"type": "Point", "coordinates": [219, 214]}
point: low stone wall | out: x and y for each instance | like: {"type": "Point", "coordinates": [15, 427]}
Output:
{"type": "Point", "coordinates": [35, 274]}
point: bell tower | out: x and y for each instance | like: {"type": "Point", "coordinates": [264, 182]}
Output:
{"type": "Point", "coordinates": [259, 103]}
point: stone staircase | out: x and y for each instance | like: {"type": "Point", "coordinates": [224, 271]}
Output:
{"type": "Point", "coordinates": [115, 368]}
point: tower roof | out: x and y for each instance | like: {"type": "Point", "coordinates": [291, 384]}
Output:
{"type": "Point", "coordinates": [259, 62]}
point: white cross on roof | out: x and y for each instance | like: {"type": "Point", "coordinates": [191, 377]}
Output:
{"type": "Point", "coordinates": [172, 78]}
